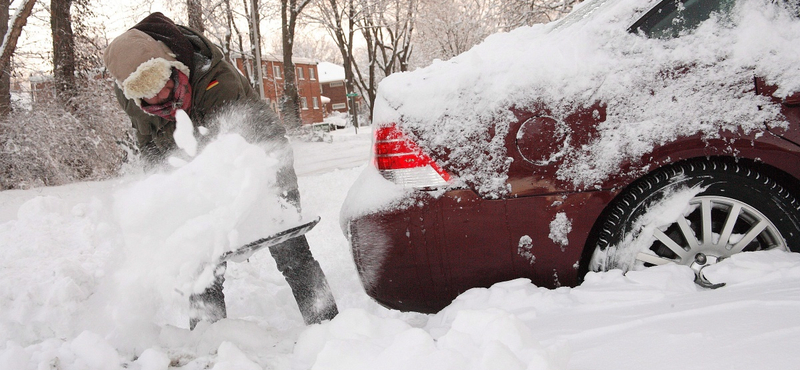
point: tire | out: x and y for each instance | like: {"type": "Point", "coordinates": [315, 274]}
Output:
{"type": "Point", "coordinates": [680, 214]}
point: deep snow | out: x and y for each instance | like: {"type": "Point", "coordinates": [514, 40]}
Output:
{"type": "Point", "coordinates": [96, 275]}
{"type": "Point", "coordinates": [65, 303]}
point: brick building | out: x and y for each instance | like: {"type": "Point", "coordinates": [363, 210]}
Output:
{"type": "Point", "coordinates": [331, 80]}
{"type": "Point", "coordinates": [308, 86]}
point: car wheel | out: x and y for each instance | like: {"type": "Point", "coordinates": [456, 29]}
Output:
{"type": "Point", "coordinates": [696, 213]}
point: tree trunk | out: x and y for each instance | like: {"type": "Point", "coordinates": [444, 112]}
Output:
{"type": "Point", "coordinates": [63, 50]}
{"type": "Point", "coordinates": [290, 105]}
{"type": "Point", "coordinates": [345, 42]}
{"type": "Point", "coordinates": [229, 34]}
{"type": "Point", "coordinates": [339, 18]}
{"type": "Point", "coordinates": [255, 42]}
{"type": "Point", "coordinates": [5, 73]}
{"type": "Point", "coordinates": [195, 9]}
{"type": "Point", "coordinates": [10, 41]}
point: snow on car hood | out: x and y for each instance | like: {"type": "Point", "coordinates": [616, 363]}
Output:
{"type": "Point", "coordinates": [462, 106]}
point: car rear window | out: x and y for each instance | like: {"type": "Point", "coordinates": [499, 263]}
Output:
{"type": "Point", "coordinates": [671, 18]}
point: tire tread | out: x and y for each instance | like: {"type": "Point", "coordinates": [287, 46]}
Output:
{"type": "Point", "coordinates": [636, 193]}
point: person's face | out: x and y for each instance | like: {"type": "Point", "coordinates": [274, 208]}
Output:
{"type": "Point", "coordinates": [162, 96]}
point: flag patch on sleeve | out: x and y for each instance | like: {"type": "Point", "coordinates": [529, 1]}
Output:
{"type": "Point", "coordinates": [212, 84]}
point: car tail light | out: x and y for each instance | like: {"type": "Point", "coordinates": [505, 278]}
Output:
{"type": "Point", "coordinates": [402, 161]}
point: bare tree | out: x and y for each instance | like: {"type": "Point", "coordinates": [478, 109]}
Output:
{"type": "Point", "coordinates": [369, 25]}
{"type": "Point", "coordinates": [5, 73]}
{"type": "Point", "coordinates": [387, 27]}
{"type": "Point", "coordinates": [339, 19]}
{"type": "Point", "coordinates": [309, 44]}
{"type": "Point", "coordinates": [8, 47]}
{"type": "Point", "coordinates": [290, 104]}
{"type": "Point", "coordinates": [194, 10]}
{"type": "Point", "coordinates": [226, 45]}
{"type": "Point", "coordinates": [394, 37]}
{"type": "Point", "coordinates": [516, 13]}
{"type": "Point", "coordinates": [451, 27]}
{"type": "Point", "coordinates": [63, 49]}
{"type": "Point", "coordinates": [56, 143]}
{"type": "Point", "coordinates": [52, 145]}
{"type": "Point", "coordinates": [90, 40]}
{"type": "Point", "coordinates": [255, 46]}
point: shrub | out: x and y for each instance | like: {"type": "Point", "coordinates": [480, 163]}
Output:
{"type": "Point", "coordinates": [53, 144]}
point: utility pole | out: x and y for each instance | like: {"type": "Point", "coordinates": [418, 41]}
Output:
{"type": "Point", "coordinates": [257, 47]}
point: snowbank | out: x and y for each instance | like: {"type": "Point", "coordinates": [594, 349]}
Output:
{"type": "Point", "coordinates": [62, 304]}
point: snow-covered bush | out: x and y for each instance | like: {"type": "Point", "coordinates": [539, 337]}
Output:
{"type": "Point", "coordinates": [52, 144]}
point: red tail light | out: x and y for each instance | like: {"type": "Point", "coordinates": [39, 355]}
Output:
{"type": "Point", "coordinates": [402, 161]}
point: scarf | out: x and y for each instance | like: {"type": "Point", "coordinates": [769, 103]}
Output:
{"type": "Point", "coordinates": [181, 98]}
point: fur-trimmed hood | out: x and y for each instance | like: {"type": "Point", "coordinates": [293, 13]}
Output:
{"type": "Point", "coordinates": [142, 58]}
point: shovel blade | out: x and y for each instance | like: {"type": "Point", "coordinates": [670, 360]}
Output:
{"type": "Point", "coordinates": [277, 238]}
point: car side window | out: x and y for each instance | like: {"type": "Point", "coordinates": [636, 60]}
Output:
{"type": "Point", "coordinates": [672, 18]}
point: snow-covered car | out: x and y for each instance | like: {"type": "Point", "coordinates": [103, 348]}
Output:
{"type": "Point", "coordinates": [632, 133]}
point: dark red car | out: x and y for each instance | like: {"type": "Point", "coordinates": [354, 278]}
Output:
{"type": "Point", "coordinates": [632, 133]}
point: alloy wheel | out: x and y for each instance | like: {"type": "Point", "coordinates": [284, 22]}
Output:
{"type": "Point", "coordinates": [715, 228]}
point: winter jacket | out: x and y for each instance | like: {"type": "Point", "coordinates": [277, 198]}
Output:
{"type": "Point", "coordinates": [215, 83]}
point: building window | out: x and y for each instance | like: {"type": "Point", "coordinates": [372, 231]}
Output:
{"type": "Point", "coordinates": [300, 73]}
{"type": "Point", "coordinates": [339, 106]}
{"type": "Point", "coordinates": [311, 74]}
{"type": "Point", "coordinates": [315, 102]}
{"type": "Point", "coordinates": [303, 103]}
{"type": "Point", "coordinates": [264, 71]}
{"type": "Point", "coordinates": [336, 84]}
{"type": "Point", "coordinates": [276, 70]}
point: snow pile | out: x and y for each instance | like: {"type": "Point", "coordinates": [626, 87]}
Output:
{"type": "Point", "coordinates": [485, 339]}
{"type": "Point", "coordinates": [771, 266]}
{"type": "Point", "coordinates": [123, 264]}
{"type": "Point", "coordinates": [54, 258]}
{"type": "Point", "coordinates": [64, 262]}
{"type": "Point", "coordinates": [612, 321]}
{"type": "Point", "coordinates": [653, 90]}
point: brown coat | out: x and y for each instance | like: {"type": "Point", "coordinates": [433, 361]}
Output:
{"type": "Point", "coordinates": [215, 83]}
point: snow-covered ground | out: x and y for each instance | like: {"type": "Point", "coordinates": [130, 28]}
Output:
{"type": "Point", "coordinates": [85, 284]}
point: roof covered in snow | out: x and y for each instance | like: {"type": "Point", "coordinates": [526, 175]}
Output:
{"type": "Point", "coordinates": [329, 72]}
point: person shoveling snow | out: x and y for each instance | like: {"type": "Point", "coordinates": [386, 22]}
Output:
{"type": "Point", "coordinates": [173, 83]}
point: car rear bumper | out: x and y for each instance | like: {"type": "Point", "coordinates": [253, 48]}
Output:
{"type": "Point", "coordinates": [420, 256]}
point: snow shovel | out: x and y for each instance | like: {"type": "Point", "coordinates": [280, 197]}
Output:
{"type": "Point", "coordinates": [209, 306]}
{"type": "Point", "coordinates": [248, 249]}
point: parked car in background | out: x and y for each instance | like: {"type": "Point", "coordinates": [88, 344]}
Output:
{"type": "Point", "coordinates": [630, 134]}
